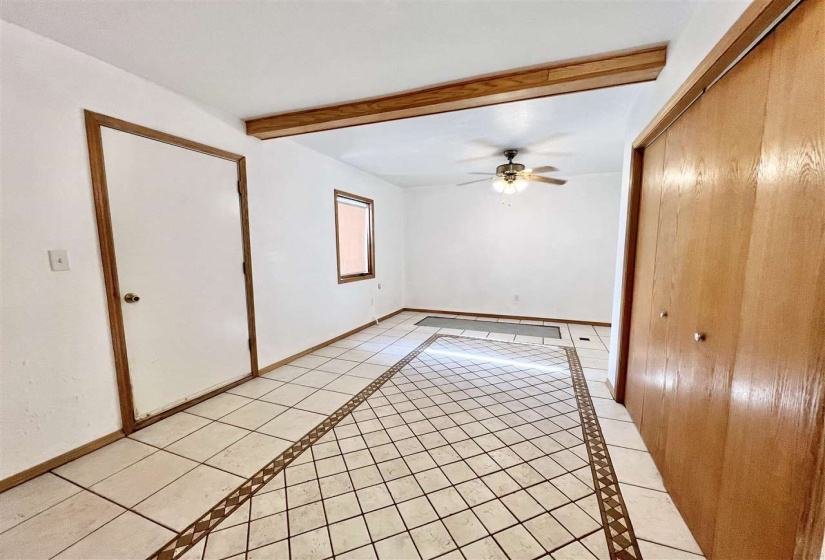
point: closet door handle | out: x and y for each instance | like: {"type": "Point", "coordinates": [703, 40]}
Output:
{"type": "Point", "coordinates": [698, 337]}
{"type": "Point", "coordinates": [663, 314]}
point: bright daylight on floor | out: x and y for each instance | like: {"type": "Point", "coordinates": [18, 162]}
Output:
{"type": "Point", "coordinates": [403, 279]}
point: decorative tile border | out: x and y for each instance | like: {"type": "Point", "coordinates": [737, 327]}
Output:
{"type": "Point", "coordinates": [619, 534]}
{"type": "Point", "coordinates": [621, 541]}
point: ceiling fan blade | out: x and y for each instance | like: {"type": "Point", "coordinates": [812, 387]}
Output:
{"type": "Point", "coordinates": [549, 180]}
{"type": "Point", "coordinates": [480, 173]}
{"type": "Point", "coordinates": [545, 169]}
{"type": "Point", "coordinates": [471, 182]}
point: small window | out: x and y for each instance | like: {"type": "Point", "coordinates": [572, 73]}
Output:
{"type": "Point", "coordinates": [354, 237]}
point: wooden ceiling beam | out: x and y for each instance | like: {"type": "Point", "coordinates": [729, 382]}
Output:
{"type": "Point", "coordinates": [581, 74]}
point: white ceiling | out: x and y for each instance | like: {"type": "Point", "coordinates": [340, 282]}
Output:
{"type": "Point", "coordinates": [256, 57]}
{"type": "Point", "coordinates": [579, 133]}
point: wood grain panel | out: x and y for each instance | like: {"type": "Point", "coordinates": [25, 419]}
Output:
{"type": "Point", "coordinates": [714, 152]}
{"type": "Point", "coordinates": [773, 461]}
{"type": "Point", "coordinates": [663, 278]}
{"type": "Point", "coordinates": [643, 278]}
{"type": "Point", "coordinates": [581, 74]}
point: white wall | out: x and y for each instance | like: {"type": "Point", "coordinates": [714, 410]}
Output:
{"type": "Point", "coordinates": [58, 381]}
{"type": "Point", "coordinates": [708, 23]}
{"type": "Point", "coordinates": [554, 246]}
{"type": "Point", "coordinates": [293, 251]}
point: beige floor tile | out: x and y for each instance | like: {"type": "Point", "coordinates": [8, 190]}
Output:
{"type": "Point", "coordinates": [190, 496]}
{"type": "Point", "coordinates": [30, 498]}
{"type": "Point", "coordinates": [384, 523]}
{"type": "Point", "coordinates": [276, 551]}
{"type": "Point", "coordinates": [268, 504]}
{"type": "Point", "coordinates": [598, 390]}
{"type": "Point", "coordinates": [653, 551]}
{"type": "Point", "coordinates": [517, 542]}
{"type": "Point", "coordinates": [219, 405]}
{"type": "Point", "coordinates": [656, 519]}
{"type": "Point", "coordinates": [337, 366]}
{"type": "Point", "coordinates": [635, 467]}
{"type": "Point", "coordinates": [550, 533]}
{"type": "Point", "coordinates": [225, 543]}
{"type": "Point", "coordinates": [306, 518]}
{"type": "Point", "coordinates": [313, 545]}
{"type": "Point", "coordinates": [348, 535]}
{"type": "Point", "coordinates": [348, 384]}
{"type": "Point", "coordinates": [316, 379]}
{"type": "Point", "coordinates": [367, 371]}
{"type": "Point", "coordinates": [374, 497]}
{"type": "Point", "coordinates": [285, 373]}
{"type": "Point", "coordinates": [254, 415]}
{"type": "Point", "coordinates": [591, 362]}
{"type": "Point", "coordinates": [522, 505]}
{"type": "Point", "coordinates": [206, 442]}
{"type": "Point", "coordinates": [345, 344]}
{"type": "Point", "coordinates": [267, 530]}
{"type": "Point", "coordinates": [57, 528]}
{"type": "Point", "coordinates": [465, 527]}
{"type": "Point", "coordinates": [196, 552]}
{"type": "Point", "coordinates": [417, 512]}
{"type": "Point", "coordinates": [432, 540]}
{"type": "Point", "coordinates": [596, 543]}
{"type": "Point", "coordinates": [168, 430]}
{"type": "Point", "coordinates": [494, 515]}
{"type": "Point", "coordinates": [248, 455]}
{"type": "Point", "coordinates": [502, 337]}
{"type": "Point", "coordinates": [573, 551]}
{"type": "Point", "coordinates": [288, 394]}
{"type": "Point", "coordinates": [309, 361]}
{"type": "Point", "coordinates": [240, 515]}
{"type": "Point", "coordinates": [383, 359]}
{"type": "Point", "coordinates": [329, 352]}
{"type": "Point", "coordinates": [608, 408]}
{"type": "Point", "coordinates": [341, 507]}
{"type": "Point", "coordinates": [622, 434]}
{"type": "Point", "coordinates": [127, 536]}
{"type": "Point", "coordinates": [575, 520]}
{"type": "Point", "coordinates": [323, 402]}
{"type": "Point", "coordinates": [356, 355]}
{"type": "Point", "coordinates": [255, 388]}
{"type": "Point", "coordinates": [363, 553]}
{"type": "Point", "coordinates": [139, 481]}
{"type": "Point", "coordinates": [485, 549]}
{"type": "Point", "coordinates": [399, 547]}
{"type": "Point", "coordinates": [292, 424]}
{"type": "Point", "coordinates": [104, 462]}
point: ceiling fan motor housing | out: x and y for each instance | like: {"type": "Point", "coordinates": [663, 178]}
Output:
{"type": "Point", "coordinates": [510, 171]}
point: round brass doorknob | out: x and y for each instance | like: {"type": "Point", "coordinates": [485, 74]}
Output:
{"type": "Point", "coordinates": [698, 337]}
{"type": "Point", "coordinates": [131, 298]}
{"type": "Point", "coordinates": [663, 314]}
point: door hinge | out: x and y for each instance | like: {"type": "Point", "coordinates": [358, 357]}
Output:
{"type": "Point", "coordinates": [249, 341]}
{"type": "Point", "coordinates": [239, 187]}
{"type": "Point", "coordinates": [243, 266]}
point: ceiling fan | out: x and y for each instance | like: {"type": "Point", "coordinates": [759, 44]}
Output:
{"type": "Point", "coordinates": [512, 177]}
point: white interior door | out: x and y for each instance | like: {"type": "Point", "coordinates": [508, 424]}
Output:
{"type": "Point", "coordinates": [177, 235]}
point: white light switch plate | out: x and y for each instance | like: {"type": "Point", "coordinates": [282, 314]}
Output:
{"type": "Point", "coordinates": [59, 260]}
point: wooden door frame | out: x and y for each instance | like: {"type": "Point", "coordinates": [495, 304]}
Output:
{"type": "Point", "coordinates": [94, 123]}
{"type": "Point", "coordinates": [756, 21]}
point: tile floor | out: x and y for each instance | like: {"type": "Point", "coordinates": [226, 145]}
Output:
{"type": "Point", "coordinates": [128, 499]}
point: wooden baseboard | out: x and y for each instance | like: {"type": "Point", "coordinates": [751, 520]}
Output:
{"type": "Point", "coordinates": [610, 388]}
{"type": "Point", "coordinates": [575, 322]}
{"type": "Point", "coordinates": [46, 466]}
{"type": "Point", "coordinates": [288, 359]}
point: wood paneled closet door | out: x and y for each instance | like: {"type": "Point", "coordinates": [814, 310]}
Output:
{"type": "Point", "coordinates": [734, 420]}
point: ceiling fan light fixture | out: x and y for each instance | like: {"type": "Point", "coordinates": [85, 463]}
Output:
{"type": "Point", "coordinates": [520, 184]}
{"type": "Point", "coordinates": [499, 185]}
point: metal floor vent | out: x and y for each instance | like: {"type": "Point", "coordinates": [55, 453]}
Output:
{"type": "Point", "coordinates": [491, 326]}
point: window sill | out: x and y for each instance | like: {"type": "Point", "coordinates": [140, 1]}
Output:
{"type": "Point", "coordinates": [348, 279]}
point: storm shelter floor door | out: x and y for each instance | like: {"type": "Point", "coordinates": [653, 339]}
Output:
{"type": "Point", "coordinates": [177, 232]}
